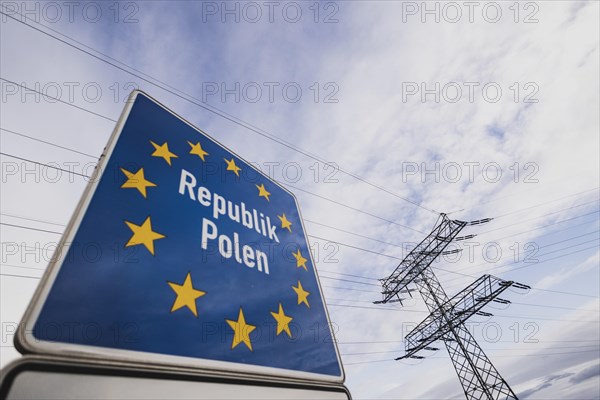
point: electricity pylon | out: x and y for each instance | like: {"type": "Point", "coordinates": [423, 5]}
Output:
{"type": "Point", "coordinates": [477, 374]}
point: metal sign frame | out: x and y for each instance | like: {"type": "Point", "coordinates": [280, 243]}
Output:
{"type": "Point", "coordinates": [26, 343]}
{"type": "Point", "coordinates": [81, 366]}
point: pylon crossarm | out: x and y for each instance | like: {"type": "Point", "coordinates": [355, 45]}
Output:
{"type": "Point", "coordinates": [455, 311]}
{"type": "Point", "coordinates": [421, 257]}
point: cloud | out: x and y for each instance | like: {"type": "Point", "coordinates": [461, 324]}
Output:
{"type": "Point", "coordinates": [577, 386]}
{"type": "Point", "coordinates": [567, 273]}
{"type": "Point", "coordinates": [547, 382]}
{"type": "Point", "coordinates": [590, 372]}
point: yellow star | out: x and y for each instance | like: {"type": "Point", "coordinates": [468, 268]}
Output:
{"type": "Point", "coordinates": [300, 261]}
{"type": "Point", "coordinates": [262, 192]}
{"type": "Point", "coordinates": [143, 234]}
{"type": "Point", "coordinates": [197, 149]}
{"type": "Point", "coordinates": [232, 167]}
{"type": "Point", "coordinates": [163, 151]}
{"type": "Point", "coordinates": [302, 294]}
{"type": "Point", "coordinates": [285, 224]}
{"type": "Point", "coordinates": [136, 181]}
{"type": "Point", "coordinates": [283, 321]}
{"type": "Point", "coordinates": [241, 331]}
{"type": "Point", "coordinates": [186, 295]}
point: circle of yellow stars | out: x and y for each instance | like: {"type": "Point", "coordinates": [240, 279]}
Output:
{"type": "Point", "coordinates": [186, 294]}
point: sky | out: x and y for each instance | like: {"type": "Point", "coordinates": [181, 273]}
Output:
{"type": "Point", "coordinates": [378, 116]}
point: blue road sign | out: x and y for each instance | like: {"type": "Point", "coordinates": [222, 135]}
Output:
{"type": "Point", "coordinates": [182, 253]}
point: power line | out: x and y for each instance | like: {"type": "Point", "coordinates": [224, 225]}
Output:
{"type": "Point", "coordinates": [369, 362]}
{"type": "Point", "coordinates": [20, 276]}
{"type": "Point", "coordinates": [553, 258]}
{"type": "Point", "coordinates": [370, 284]}
{"type": "Point", "coordinates": [346, 288]}
{"type": "Point", "coordinates": [500, 341]}
{"type": "Point", "coordinates": [533, 264]}
{"type": "Point", "coordinates": [549, 306]}
{"type": "Point", "coordinates": [36, 229]}
{"type": "Point", "coordinates": [39, 248]}
{"type": "Point", "coordinates": [322, 277]}
{"type": "Point", "coordinates": [555, 223]}
{"type": "Point", "coordinates": [525, 258]}
{"type": "Point", "coordinates": [512, 302]}
{"type": "Point", "coordinates": [213, 110]}
{"type": "Point", "coordinates": [48, 143]}
{"type": "Point", "coordinates": [380, 254]}
{"type": "Point", "coordinates": [495, 315]}
{"type": "Point", "coordinates": [325, 277]}
{"type": "Point", "coordinates": [340, 273]}
{"type": "Point", "coordinates": [503, 349]}
{"type": "Point", "coordinates": [22, 266]}
{"type": "Point", "coordinates": [31, 219]}
{"type": "Point", "coordinates": [540, 262]}
{"type": "Point", "coordinates": [537, 248]}
{"type": "Point", "coordinates": [377, 308]}
{"type": "Point", "coordinates": [568, 293]}
{"type": "Point", "coordinates": [29, 228]}
{"type": "Point", "coordinates": [564, 229]}
{"type": "Point", "coordinates": [44, 165]}
{"type": "Point", "coordinates": [351, 233]}
{"type": "Point", "coordinates": [542, 318]}
{"type": "Point", "coordinates": [305, 191]}
{"type": "Point", "coordinates": [519, 193]}
{"type": "Point", "coordinates": [398, 258]}
{"type": "Point", "coordinates": [58, 233]}
{"type": "Point", "coordinates": [355, 247]}
{"type": "Point", "coordinates": [512, 355]}
{"type": "Point", "coordinates": [396, 245]}
{"type": "Point", "coordinates": [468, 275]}
{"type": "Point", "coordinates": [541, 216]}
{"type": "Point", "coordinates": [316, 237]}
{"type": "Point", "coordinates": [357, 301]}
{"type": "Point", "coordinates": [353, 208]}
{"type": "Point", "coordinates": [57, 99]}
{"type": "Point", "coordinates": [329, 240]}
{"type": "Point", "coordinates": [348, 280]}
{"type": "Point", "coordinates": [350, 306]}
{"type": "Point", "coordinates": [552, 224]}
{"type": "Point", "coordinates": [547, 202]}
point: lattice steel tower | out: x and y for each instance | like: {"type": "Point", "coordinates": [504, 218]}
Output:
{"type": "Point", "coordinates": [478, 376]}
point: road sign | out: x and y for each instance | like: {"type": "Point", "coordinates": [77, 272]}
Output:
{"type": "Point", "coordinates": [34, 377]}
{"type": "Point", "coordinates": [181, 253]}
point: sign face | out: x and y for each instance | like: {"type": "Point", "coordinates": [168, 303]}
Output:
{"type": "Point", "coordinates": [183, 254]}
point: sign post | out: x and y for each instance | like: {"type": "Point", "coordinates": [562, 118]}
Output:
{"type": "Point", "coordinates": [182, 254]}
